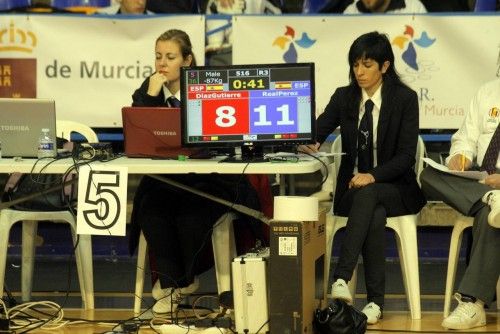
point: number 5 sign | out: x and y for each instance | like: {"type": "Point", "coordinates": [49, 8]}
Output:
{"type": "Point", "coordinates": [102, 200]}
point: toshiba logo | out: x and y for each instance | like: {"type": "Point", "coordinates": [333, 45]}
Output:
{"type": "Point", "coordinates": [164, 133]}
{"type": "Point", "coordinates": [14, 128]}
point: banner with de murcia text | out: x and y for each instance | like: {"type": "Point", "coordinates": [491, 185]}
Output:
{"type": "Point", "coordinates": [90, 65]}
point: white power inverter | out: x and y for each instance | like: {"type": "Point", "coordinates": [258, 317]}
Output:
{"type": "Point", "coordinates": [250, 286]}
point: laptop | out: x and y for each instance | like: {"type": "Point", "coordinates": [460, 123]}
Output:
{"type": "Point", "coordinates": [153, 132]}
{"type": "Point", "coordinates": [21, 122]}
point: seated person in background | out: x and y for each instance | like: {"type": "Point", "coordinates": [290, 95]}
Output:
{"type": "Point", "coordinates": [176, 223]}
{"type": "Point", "coordinates": [126, 7]}
{"type": "Point", "coordinates": [448, 6]}
{"type": "Point", "coordinates": [386, 6]}
{"type": "Point", "coordinates": [378, 118]}
{"type": "Point", "coordinates": [174, 6]}
{"type": "Point", "coordinates": [335, 6]}
{"type": "Point", "coordinates": [478, 139]}
{"type": "Point", "coordinates": [219, 40]}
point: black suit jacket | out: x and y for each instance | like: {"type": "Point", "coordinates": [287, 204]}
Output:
{"type": "Point", "coordinates": [397, 136]}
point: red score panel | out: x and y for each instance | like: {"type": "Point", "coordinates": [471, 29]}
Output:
{"type": "Point", "coordinates": [225, 116]}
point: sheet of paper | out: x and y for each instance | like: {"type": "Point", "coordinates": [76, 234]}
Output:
{"type": "Point", "coordinates": [470, 174]}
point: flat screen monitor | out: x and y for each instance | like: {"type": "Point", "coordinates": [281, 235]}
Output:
{"type": "Point", "coordinates": [248, 106]}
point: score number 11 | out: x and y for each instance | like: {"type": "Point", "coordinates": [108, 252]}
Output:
{"type": "Point", "coordinates": [225, 116]}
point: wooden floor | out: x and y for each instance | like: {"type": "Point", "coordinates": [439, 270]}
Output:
{"type": "Point", "coordinates": [103, 321]}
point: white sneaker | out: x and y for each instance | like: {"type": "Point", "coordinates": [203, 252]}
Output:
{"type": "Point", "coordinates": [157, 291]}
{"type": "Point", "coordinates": [372, 312]}
{"type": "Point", "coordinates": [467, 315]}
{"type": "Point", "coordinates": [340, 290]}
{"type": "Point", "coordinates": [191, 288]}
{"type": "Point", "coordinates": [169, 302]}
{"type": "Point", "coordinates": [168, 299]}
{"type": "Point", "coordinates": [492, 198]}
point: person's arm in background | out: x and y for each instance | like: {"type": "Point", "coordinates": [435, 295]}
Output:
{"type": "Point", "coordinates": [230, 6]}
{"type": "Point", "coordinates": [464, 141]}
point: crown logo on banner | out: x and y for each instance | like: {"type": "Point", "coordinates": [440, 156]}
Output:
{"type": "Point", "coordinates": [13, 39]}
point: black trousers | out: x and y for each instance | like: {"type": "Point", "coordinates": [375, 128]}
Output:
{"type": "Point", "coordinates": [178, 224]}
{"type": "Point", "coordinates": [367, 209]}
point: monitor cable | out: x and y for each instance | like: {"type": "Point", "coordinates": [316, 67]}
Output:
{"type": "Point", "coordinates": [237, 207]}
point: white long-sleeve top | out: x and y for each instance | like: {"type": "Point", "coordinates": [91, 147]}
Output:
{"type": "Point", "coordinates": [479, 125]}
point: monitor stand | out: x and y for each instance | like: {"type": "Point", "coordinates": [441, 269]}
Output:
{"type": "Point", "coordinates": [248, 154]}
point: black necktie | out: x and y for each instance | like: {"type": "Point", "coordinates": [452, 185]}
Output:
{"type": "Point", "coordinates": [365, 139]}
{"type": "Point", "coordinates": [174, 102]}
{"type": "Point", "coordinates": [491, 156]}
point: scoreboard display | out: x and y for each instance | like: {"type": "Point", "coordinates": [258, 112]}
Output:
{"type": "Point", "coordinates": [242, 104]}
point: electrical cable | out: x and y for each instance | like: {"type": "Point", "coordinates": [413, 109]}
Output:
{"type": "Point", "coordinates": [325, 177]}
{"type": "Point", "coordinates": [53, 321]}
{"type": "Point", "coordinates": [415, 331]}
{"type": "Point", "coordinates": [33, 324]}
{"type": "Point", "coordinates": [237, 207]}
{"type": "Point", "coordinates": [231, 205]}
{"type": "Point", "coordinates": [26, 317]}
{"type": "Point", "coordinates": [23, 316]}
{"type": "Point", "coordinates": [11, 301]}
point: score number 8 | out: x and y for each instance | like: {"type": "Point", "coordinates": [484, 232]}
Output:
{"type": "Point", "coordinates": [225, 116]}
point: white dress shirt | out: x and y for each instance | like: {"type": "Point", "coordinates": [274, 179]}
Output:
{"type": "Point", "coordinates": [377, 103]}
{"type": "Point", "coordinates": [167, 93]}
{"type": "Point", "coordinates": [479, 125]}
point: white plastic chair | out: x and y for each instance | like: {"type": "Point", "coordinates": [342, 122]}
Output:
{"type": "Point", "coordinates": [224, 248]}
{"type": "Point", "coordinates": [66, 128]}
{"type": "Point", "coordinates": [83, 252]}
{"type": "Point", "coordinates": [405, 228]}
{"type": "Point", "coordinates": [461, 223]}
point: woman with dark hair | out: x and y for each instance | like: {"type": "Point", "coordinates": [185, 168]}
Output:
{"type": "Point", "coordinates": [176, 223]}
{"type": "Point", "coordinates": [378, 118]}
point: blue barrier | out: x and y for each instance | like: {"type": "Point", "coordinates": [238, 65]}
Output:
{"type": "Point", "coordinates": [80, 3]}
{"type": "Point", "coordinates": [425, 137]}
{"type": "Point", "coordinates": [485, 6]}
{"type": "Point", "coordinates": [10, 4]}
{"type": "Point", "coordinates": [117, 137]}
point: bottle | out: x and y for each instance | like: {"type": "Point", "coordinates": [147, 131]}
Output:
{"type": "Point", "coordinates": [46, 144]}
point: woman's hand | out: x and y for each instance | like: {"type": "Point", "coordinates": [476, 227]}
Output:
{"type": "Point", "coordinates": [156, 82]}
{"type": "Point", "coordinates": [360, 180]}
{"type": "Point", "coordinates": [230, 6]}
{"type": "Point", "coordinates": [459, 162]}
{"type": "Point", "coordinates": [225, 3]}
{"type": "Point", "coordinates": [493, 181]}
{"type": "Point", "coordinates": [311, 149]}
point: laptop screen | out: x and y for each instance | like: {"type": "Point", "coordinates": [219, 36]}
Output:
{"type": "Point", "coordinates": [152, 132]}
{"type": "Point", "coordinates": [21, 122]}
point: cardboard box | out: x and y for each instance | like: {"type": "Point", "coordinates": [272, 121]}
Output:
{"type": "Point", "coordinates": [297, 274]}
{"type": "Point", "coordinates": [250, 292]}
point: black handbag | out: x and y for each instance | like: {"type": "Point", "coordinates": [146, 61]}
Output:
{"type": "Point", "coordinates": [339, 318]}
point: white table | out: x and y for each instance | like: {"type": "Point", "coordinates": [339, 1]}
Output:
{"type": "Point", "coordinates": [158, 166]}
